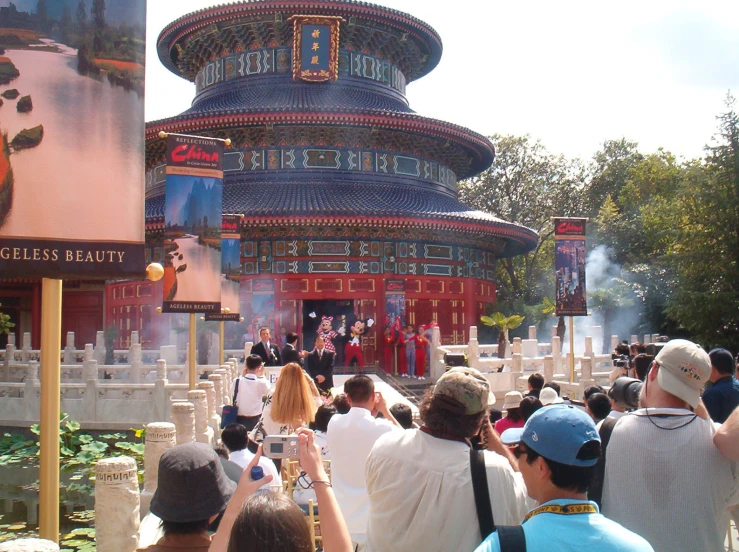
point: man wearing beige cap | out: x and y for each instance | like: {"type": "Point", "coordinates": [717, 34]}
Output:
{"type": "Point", "coordinates": [665, 480]}
{"type": "Point", "coordinates": [419, 481]}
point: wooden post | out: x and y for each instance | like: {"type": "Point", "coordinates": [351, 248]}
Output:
{"type": "Point", "coordinates": [572, 349]}
{"type": "Point", "coordinates": [51, 344]}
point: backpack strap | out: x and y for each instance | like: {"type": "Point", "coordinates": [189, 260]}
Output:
{"type": "Point", "coordinates": [482, 493]}
{"type": "Point", "coordinates": [511, 538]}
{"type": "Point", "coordinates": [236, 391]}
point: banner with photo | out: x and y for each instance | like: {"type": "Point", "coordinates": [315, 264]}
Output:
{"type": "Point", "coordinates": [395, 304]}
{"type": "Point", "coordinates": [72, 140]}
{"type": "Point", "coordinates": [192, 225]}
{"type": "Point", "coordinates": [569, 263]}
{"type": "Point", "coordinates": [230, 270]}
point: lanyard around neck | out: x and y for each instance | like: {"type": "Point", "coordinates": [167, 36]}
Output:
{"type": "Point", "coordinates": [563, 509]}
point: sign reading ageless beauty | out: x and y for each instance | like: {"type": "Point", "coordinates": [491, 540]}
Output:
{"type": "Point", "coordinates": [569, 263]}
{"type": "Point", "coordinates": [72, 151]}
{"type": "Point", "coordinates": [230, 270]}
{"type": "Point", "coordinates": [192, 225]}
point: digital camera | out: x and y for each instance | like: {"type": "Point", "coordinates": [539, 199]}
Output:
{"type": "Point", "coordinates": [281, 446]}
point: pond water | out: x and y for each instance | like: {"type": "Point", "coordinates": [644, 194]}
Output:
{"type": "Point", "coordinates": [93, 141]}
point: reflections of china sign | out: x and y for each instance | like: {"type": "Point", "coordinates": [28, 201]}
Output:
{"type": "Point", "coordinates": [315, 47]}
{"type": "Point", "coordinates": [569, 263]}
{"type": "Point", "coordinates": [72, 146]}
{"type": "Point", "coordinates": [192, 225]}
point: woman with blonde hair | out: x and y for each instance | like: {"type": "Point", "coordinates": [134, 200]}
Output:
{"type": "Point", "coordinates": [291, 405]}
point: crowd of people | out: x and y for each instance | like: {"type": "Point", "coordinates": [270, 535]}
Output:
{"type": "Point", "coordinates": [544, 472]}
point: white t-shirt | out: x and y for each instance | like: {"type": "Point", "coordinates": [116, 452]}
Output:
{"type": "Point", "coordinates": [252, 389]}
{"type": "Point", "coordinates": [666, 481]}
{"type": "Point", "coordinates": [615, 414]}
{"type": "Point", "coordinates": [350, 438]}
{"type": "Point", "coordinates": [421, 497]}
{"type": "Point", "coordinates": [245, 456]}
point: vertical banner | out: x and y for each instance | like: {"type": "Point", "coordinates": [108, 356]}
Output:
{"type": "Point", "coordinates": [72, 139]}
{"type": "Point", "coordinates": [569, 263]}
{"type": "Point", "coordinates": [192, 225]}
{"type": "Point", "coordinates": [395, 303]}
{"type": "Point", "coordinates": [315, 48]}
{"type": "Point", "coordinates": [263, 306]}
{"type": "Point", "coordinates": [230, 270]}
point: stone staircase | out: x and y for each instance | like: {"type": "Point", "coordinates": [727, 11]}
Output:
{"type": "Point", "coordinates": [411, 389]}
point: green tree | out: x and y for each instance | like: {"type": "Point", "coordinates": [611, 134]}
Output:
{"type": "Point", "coordinates": [82, 16]}
{"type": "Point", "coordinates": [98, 13]}
{"type": "Point", "coordinates": [527, 185]}
{"type": "Point", "coordinates": [5, 324]}
{"type": "Point", "coordinates": [703, 253]}
{"type": "Point", "coordinates": [41, 13]}
{"type": "Point", "coordinates": [504, 324]}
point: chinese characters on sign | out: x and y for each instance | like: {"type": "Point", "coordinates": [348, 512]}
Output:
{"type": "Point", "coordinates": [569, 263]}
{"type": "Point", "coordinates": [316, 48]}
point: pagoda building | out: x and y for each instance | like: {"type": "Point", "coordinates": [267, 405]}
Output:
{"type": "Point", "coordinates": [349, 198]}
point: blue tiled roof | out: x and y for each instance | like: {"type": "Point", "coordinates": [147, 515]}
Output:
{"type": "Point", "coordinates": [263, 199]}
{"type": "Point", "coordinates": [295, 97]}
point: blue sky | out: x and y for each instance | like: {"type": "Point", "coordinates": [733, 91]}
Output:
{"type": "Point", "coordinates": [571, 73]}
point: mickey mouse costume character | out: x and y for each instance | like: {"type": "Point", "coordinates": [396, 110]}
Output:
{"type": "Point", "coordinates": [353, 347]}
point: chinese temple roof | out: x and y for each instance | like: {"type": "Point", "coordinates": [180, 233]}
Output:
{"type": "Point", "coordinates": [282, 202]}
{"type": "Point", "coordinates": [188, 43]}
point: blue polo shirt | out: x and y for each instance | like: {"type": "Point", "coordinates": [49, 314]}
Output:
{"type": "Point", "coordinates": [722, 398]}
{"type": "Point", "coordinates": [577, 532]}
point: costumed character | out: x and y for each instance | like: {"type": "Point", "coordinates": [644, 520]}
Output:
{"type": "Point", "coordinates": [421, 343]}
{"type": "Point", "coordinates": [353, 347]}
{"type": "Point", "coordinates": [326, 331]}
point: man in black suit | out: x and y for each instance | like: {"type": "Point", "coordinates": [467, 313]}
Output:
{"type": "Point", "coordinates": [321, 366]}
{"type": "Point", "coordinates": [269, 352]}
{"type": "Point", "coordinates": [290, 352]}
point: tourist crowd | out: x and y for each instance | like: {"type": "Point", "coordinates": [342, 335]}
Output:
{"type": "Point", "coordinates": [545, 473]}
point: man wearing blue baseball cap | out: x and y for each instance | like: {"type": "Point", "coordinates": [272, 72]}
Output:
{"type": "Point", "coordinates": [557, 448]}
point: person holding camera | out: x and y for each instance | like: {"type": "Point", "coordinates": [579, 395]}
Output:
{"type": "Point", "coordinates": [249, 392]}
{"type": "Point", "coordinates": [664, 478]}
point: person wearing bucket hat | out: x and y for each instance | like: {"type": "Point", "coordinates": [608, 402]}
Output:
{"type": "Point", "coordinates": [664, 478]}
{"type": "Point", "coordinates": [192, 491]}
{"type": "Point", "coordinates": [513, 416]}
{"type": "Point", "coordinates": [558, 448]}
{"type": "Point", "coordinates": [420, 481]}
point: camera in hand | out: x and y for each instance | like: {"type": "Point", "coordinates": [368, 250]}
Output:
{"type": "Point", "coordinates": [625, 391]}
{"type": "Point", "coordinates": [620, 361]}
{"type": "Point", "coordinates": [281, 446]}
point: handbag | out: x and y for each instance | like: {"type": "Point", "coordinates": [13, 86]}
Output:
{"type": "Point", "coordinates": [230, 412]}
{"type": "Point", "coordinates": [511, 537]}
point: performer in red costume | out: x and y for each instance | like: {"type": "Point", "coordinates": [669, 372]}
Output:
{"type": "Point", "coordinates": [421, 343]}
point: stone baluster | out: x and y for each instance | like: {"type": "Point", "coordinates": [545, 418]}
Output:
{"type": "Point", "coordinates": [227, 383]}
{"type": "Point", "coordinates": [247, 348]}
{"type": "Point", "coordinates": [532, 332]}
{"type": "Point", "coordinates": [517, 366]}
{"type": "Point", "coordinates": [516, 345]}
{"type": "Point", "coordinates": [90, 359]}
{"type": "Point", "coordinates": [183, 417]}
{"type": "Point", "coordinates": [29, 545]}
{"type": "Point", "coordinates": [116, 505]}
{"type": "Point", "coordinates": [134, 359]}
{"type": "Point", "coordinates": [26, 350]}
{"type": "Point", "coordinates": [100, 348]}
{"type": "Point", "coordinates": [614, 342]}
{"type": "Point", "coordinates": [436, 368]}
{"type": "Point", "coordinates": [633, 338]}
{"type": "Point", "coordinates": [214, 420]}
{"type": "Point", "coordinates": [11, 339]}
{"type": "Point", "coordinates": [557, 354]}
{"type": "Point", "coordinates": [90, 370]}
{"type": "Point", "coordinates": [473, 351]}
{"type": "Point", "coordinates": [199, 399]}
{"type": "Point", "coordinates": [588, 346]}
{"type": "Point", "coordinates": [217, 380]}
{"type": "Point", "coordinates": [162, 369]}
{"type": "Point", "coordinates": [69, 350]}
{"type": "Point", "coordinates": [160, 436]}
{"type": "Point", "coordinates": [135, 337]}
{"type": "Point", "coordinates": [548, 368]}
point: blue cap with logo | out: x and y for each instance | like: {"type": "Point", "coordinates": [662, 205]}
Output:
{"type": "Point", "coordinates": [556, 432]}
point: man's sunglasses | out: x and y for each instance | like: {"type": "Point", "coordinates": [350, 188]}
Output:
{"type": "Point", "coordinates": [519, 450]}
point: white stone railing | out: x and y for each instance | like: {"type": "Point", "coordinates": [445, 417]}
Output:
{"type": "Point", "coordinates": [112, 404]}
{"type": "Point", "coordinates": [526, 356]}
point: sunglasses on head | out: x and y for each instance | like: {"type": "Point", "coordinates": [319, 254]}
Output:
{"type": "Point", "coordinates": [519, 450]}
